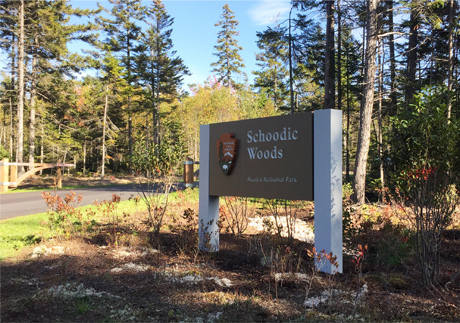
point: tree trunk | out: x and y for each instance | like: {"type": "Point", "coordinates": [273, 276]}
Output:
{"type": "Point", "coordinates": [33, 96]}
{"type": "Point", "coordinates": [157, 107]}
{"type": "Point", "coordinates": [42, 143]}
{"type": "Point", "coordinates": [147, 131]}
{"type": "Point", "coordinates": [456, 75]}
{"type": "Point", "coordinates": [130, 111]}
{"type": "Point", "coordinates": [11, 130]}
{"type": "Point", "coordinates": [13, 66]}
{"type": "Point", "coordinates": [3, 130]}
{"type": "Point", "coordinates": [329, 88]}
{"type": "Point", "coordinates": [450, 62]}
{"type": "Point", "coordinates": [393, 96]}
{"type": "Point", "coordinates": [347, 149]}
{"type": "Point", "coordinates": [291, 92]}
{"type": "Point", "coordinates": [104, 123]}
{"type": "Point", "coordinates": [20, 141]}
{"type": "Point", "coordinates": [364, 133]}
{"type": "Point", "coordinates": [411, 58]}
{"type": "Point", "coordinates": [153, 82]}
{"type": "Point", "coordinates": [380, 123]}
{"type": "Point", "coordinates": [84, 157]}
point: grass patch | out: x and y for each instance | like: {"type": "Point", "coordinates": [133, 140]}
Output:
{"type": "Point", "coordinates": [27, 230]}
{"type": "Point", "coordinates": [21, 231]}
{"type": "Point", "coordinates": [64, 187]}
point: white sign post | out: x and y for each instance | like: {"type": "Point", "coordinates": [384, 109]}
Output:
{"type": "Point", "coordinates": [327, 174]}
{"type": "Point", "coordinates": [327, 189]}
{"type": "Point", "coordinates": [208, 229]}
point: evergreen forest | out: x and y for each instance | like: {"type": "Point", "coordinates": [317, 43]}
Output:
{"type": "Point", "coordinates": [121, 111]}
{"type": "Point", "coordinates": [398, 86]}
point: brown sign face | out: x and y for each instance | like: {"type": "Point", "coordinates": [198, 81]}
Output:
{"type": "Point", "coordinates": [275, 158]}
{"type": "Point", "coordinates": [227, 148]}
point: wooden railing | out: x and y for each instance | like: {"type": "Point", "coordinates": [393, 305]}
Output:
{"type": "Point", "coordinates": [9, 172]}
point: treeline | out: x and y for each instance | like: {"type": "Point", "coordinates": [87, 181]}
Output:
{"type": "Point", "coordinates": [386, 64]}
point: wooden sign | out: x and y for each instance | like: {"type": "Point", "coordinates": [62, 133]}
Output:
{"type": "Point", "coordinates": [276, 159]}
{"type": "Point", "coordinates": [268, 157]}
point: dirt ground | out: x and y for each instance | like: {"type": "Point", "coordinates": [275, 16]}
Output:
{"type": "Point", "coordinates": [41, 182]}
{"type": "Point", "coordinates": [120, 272]}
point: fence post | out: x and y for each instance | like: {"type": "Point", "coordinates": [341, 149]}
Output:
{"type": "Point", "coordinates": [4, 175]}
{"type": "Point", "coordinates": [59, 175]}
{"type": "Point", "coordinates": [188, 172]}
{"type": "Point", "coordinates": [13, 174]}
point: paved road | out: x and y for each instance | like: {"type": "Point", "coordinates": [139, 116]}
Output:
{"type": "Point", "coordinates": [17, 204]}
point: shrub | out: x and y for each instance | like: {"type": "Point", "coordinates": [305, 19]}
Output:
{"type": "Point", "coordinates": [427, 162]}
{"type": "Point", "coordinates": [160, 164]}
{"type": "Point", "coordinates": [236, 214]}
{"type": "Point", "coordinates": [285, 214]}
{"type": "Point", "coordinates": [63, 217]}
{"type": "Point", "coordinates": [4, 153]}
{"type": "Point", "coordinates": [188, 238]}
{"type": "Point", "coordinates": [389, 244]}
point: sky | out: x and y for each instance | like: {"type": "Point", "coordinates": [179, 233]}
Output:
{"type": "Point", "coordinates": [194, 34]}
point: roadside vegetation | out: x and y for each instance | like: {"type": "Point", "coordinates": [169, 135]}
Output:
{"type": "Point", "coordinates": [107, 263]}
{"type": "Point", "coordinates": [139, 260]}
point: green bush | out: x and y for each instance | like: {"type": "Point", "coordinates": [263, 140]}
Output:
{"type": "Point", "coordinates": [424, 138]}
{"type": "Point", "coordinates": [426, 157]}
{"type": "Point", "coordinates": [4, 153]}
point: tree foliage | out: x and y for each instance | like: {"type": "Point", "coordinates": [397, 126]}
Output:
{"type": "Point", "coordinates": [131, 81]}
{"type": "Point", "coordinates": [229, 64]}
{"type": "Point", "coordinates": [426, 159]}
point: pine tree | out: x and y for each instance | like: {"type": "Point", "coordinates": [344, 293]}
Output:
{"type": "Point", "coordinates": [273, 76]}
{"type": "Point", "coordinates": [309, 64]}
{"type": "Point", "coordinates": [307, 54]}
{"type": "Point", "coordinates": [114, 84]}
{"type": "Point", "coordinates": [162, 70]}
{"type": "Point", "coordinates": [230, 61]}
{"type": "Point", "coordinates": [329, 58]}
{"type": "Point", "coordinates": [123, 33]}
{"type": "Point", "coordinates": [48, 35]}
{"type": "Point", "coordinates": [46, 32]}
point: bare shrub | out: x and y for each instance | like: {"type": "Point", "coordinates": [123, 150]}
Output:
{"type": "Point", "coordinates": [285, 213]}
{"type": "Point", "coordinates": [433, 203]}
{"type": "Point", "coordinates": [237, 214]}
{"type": "Point", "coordinates": [188, 237]}
{"type": "Point", "coordinates": [155, 195]}
{"type": "Point", "coordinates": [160, 163]}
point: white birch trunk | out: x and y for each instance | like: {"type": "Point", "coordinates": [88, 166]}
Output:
{"type": "Point", "coordinates": [364, 133]}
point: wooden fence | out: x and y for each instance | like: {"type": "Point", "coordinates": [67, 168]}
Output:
{"type": "Point", "coordinates": [9, 172]}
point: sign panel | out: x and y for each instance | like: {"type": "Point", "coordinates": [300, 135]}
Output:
{"type": "Point", "coordinates": [267, 158]}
